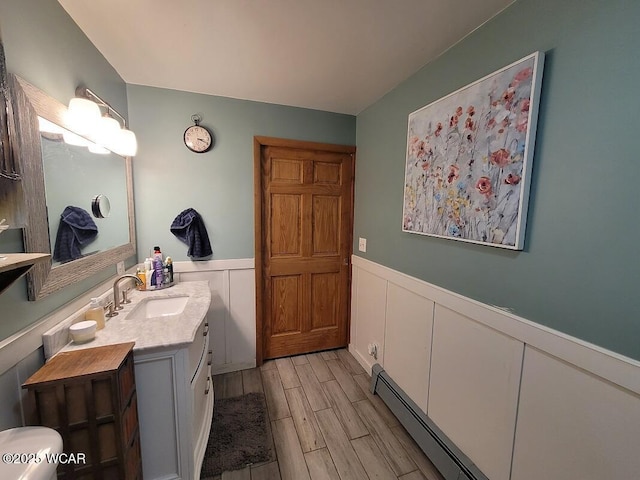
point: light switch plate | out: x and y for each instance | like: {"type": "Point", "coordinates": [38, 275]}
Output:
{"type": "Point", "coordinates": [362, 244]}
{"type": "Point", "coordinates": [120, 268]}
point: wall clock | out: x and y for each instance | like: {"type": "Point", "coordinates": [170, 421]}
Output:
{"type": "Point", "coordinates": [197, 138]}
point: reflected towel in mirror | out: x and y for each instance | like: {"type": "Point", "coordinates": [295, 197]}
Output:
{"type": "Point", "coordinates": [75, 231]}
{"type": "Point", "coordinates": [189, 228]}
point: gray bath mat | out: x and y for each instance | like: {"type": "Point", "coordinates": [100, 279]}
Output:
{"type": "Point", "coordinates": [238, 435]}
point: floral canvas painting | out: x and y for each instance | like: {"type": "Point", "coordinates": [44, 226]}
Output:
{"type": "Point", "coordinates": [469, 159]}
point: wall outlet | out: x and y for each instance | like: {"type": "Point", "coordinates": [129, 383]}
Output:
{"type": "Point", "coordinates": [120, 268]}
{"type": "Point", "coordinates": [362, 244]}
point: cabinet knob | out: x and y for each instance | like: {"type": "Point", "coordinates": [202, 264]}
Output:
{"type": "Point", "coordinates": [206, 329]}
{"type": "Point", "coordinates": [206, 390]}
{"type": "Point", "coordinates": [210, 358]}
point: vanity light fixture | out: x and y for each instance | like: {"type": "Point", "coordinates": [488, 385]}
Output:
{"type": "Point", "coordinates": [85, 116]}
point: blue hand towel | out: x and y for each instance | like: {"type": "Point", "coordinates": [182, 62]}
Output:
{"type": "Point", "coordinates": [76, 229]}
{"type": "Point", "coordinates": [189, 228]}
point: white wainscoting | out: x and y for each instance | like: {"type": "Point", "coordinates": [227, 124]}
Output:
{"type": "Point", "coordinates": [407, 341]}
{"type": "Point", "coordinates": [522, 401]}
{"type": "Point", "coordinates": [572, 424]}
{"type": "Point", "coordinates": [232, 315]}
{"type": "Point", "coordinates": [475, 379]}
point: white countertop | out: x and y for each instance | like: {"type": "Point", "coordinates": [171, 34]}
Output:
{"type": "Point", "coordinates": [175, 331]}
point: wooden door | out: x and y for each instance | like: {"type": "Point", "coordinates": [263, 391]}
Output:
{"type": "Point", "coordinates": [304, 211]}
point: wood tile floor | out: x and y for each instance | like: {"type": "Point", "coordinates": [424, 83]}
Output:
{"type": "Point", "coordinates": [325, 424]}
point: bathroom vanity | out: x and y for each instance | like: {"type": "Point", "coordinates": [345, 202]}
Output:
{"type": "Point", "coordinates": [172, 360]}
{"type": "Point", "coordinates": [176, 389]}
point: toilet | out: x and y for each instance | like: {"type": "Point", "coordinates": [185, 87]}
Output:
{"type": "Point", "coordinates": [26, 453]}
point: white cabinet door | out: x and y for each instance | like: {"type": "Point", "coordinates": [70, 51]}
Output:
{"type": "Point", "coordinates": [473, 396]}
{"type": "Point", "coordinates": [572, 424]}
{"type": "Point", "coordinates": [157, 406]}
{"type": "Point", "coordinates": [407, 342]}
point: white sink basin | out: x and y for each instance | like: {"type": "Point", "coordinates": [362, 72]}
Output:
{"type": "Point", "coordinates": [28, 449]}
{"type": "Point", "coordinates": [158, 307]}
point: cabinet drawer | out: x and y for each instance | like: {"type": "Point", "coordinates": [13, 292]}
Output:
{"type": "Point", "coordinates": [201, 389]}
{"type": "Point", "coordinates": [198, 348]}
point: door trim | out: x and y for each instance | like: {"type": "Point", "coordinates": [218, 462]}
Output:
{"type": "Point", "coordinates": [259, 142]}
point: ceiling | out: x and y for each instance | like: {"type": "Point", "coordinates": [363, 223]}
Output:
{"type": "Point", "coordinates": [333, 55]}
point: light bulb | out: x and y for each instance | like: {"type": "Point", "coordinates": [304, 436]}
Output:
{"type": "Point", "coordinates": [82, 115]}
{"type": "Point", "coordinates": [126, 143]}
{"type": "Point", "coordinates": [107, 132]}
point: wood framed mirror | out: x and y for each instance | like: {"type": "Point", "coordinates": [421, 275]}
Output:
{"type": "Point", "coordinates": [45, 279]}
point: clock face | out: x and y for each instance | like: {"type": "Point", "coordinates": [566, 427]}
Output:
{"type": "Point", "coordinates": [197, 139]}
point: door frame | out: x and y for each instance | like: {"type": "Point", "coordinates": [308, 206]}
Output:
{"type": "Point", "coordinates": [259, 142]}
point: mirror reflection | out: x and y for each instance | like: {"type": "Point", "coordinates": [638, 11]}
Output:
{"type": "Point", "coordinates": [84, 175]}
{"type": "Point", "coordinates": [74, 179]}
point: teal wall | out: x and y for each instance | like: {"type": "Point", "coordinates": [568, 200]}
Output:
{"type": "Point", "coordinates": [45, 47]}
{"type": "Point", "coordinates": [579, 271]}
{"type": "Point", "coordinates": [169, 178]}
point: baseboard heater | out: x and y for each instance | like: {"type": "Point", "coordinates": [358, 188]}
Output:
{"type": "Point", "coordinates": [446, 457]}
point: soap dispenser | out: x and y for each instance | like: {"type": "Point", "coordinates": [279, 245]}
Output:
{"type": "Point", "coordinates": [95, 312]}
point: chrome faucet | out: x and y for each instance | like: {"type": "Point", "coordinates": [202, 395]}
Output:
{"type": "Point", "coordinates": [116, 289]}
